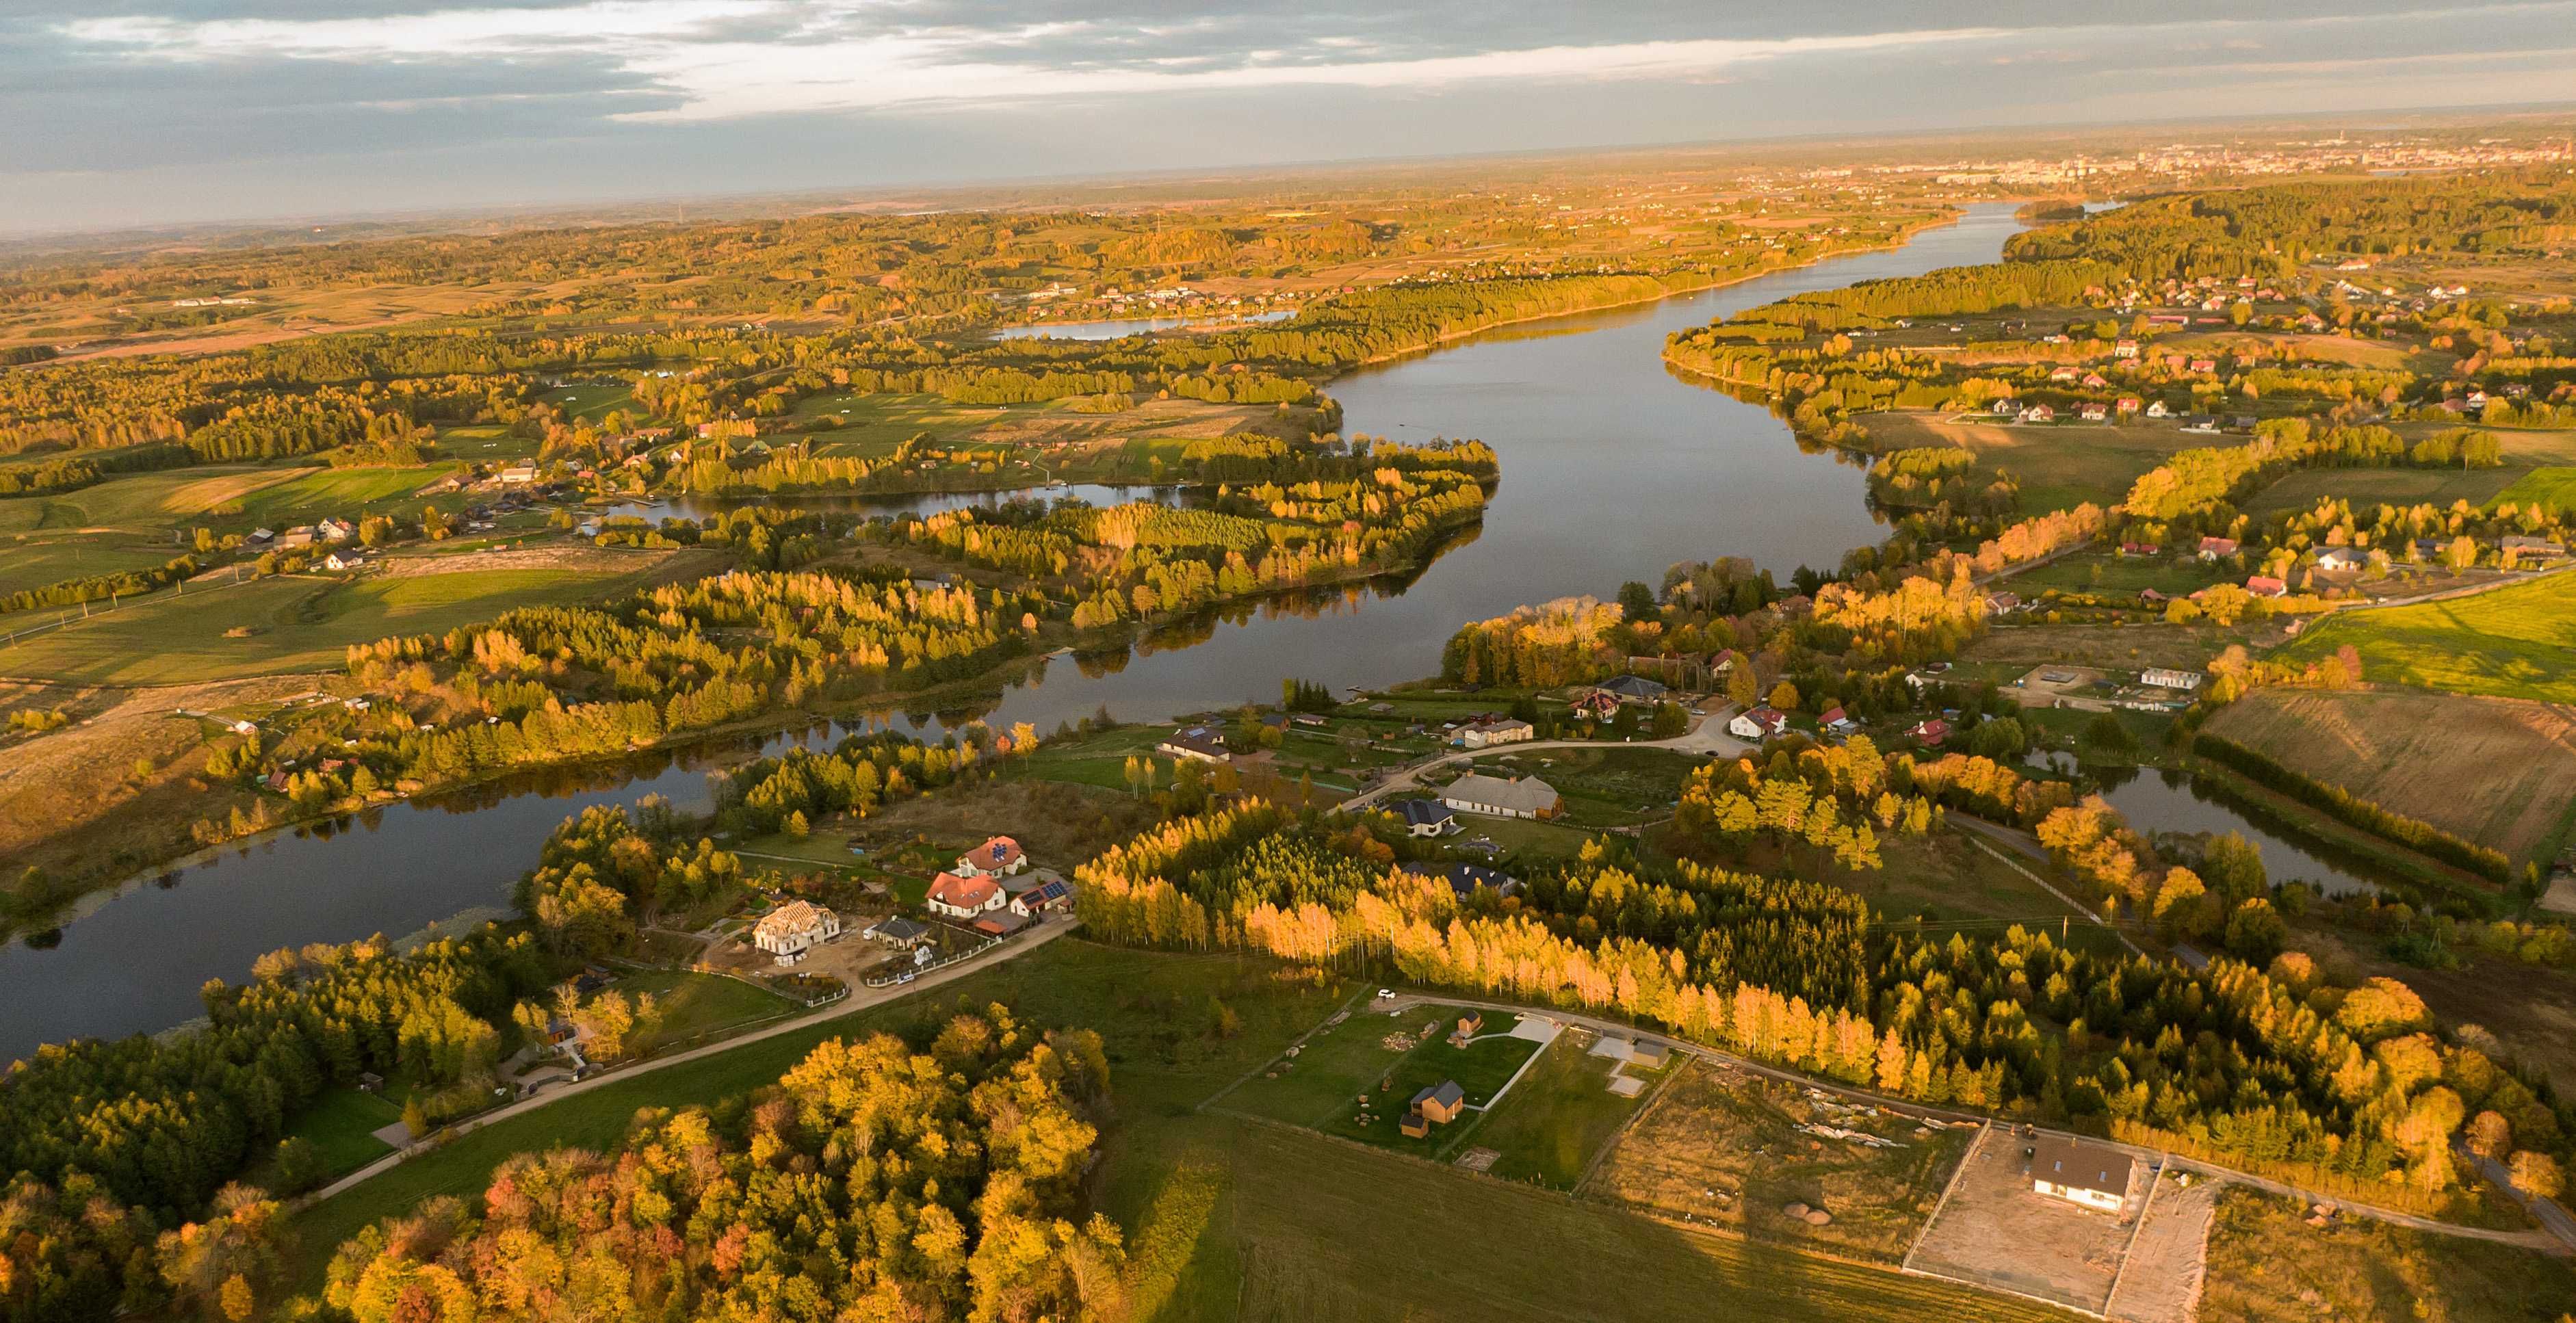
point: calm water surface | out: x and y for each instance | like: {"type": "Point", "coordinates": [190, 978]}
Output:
{"type": "Point", "coordinates": [1613, 468]}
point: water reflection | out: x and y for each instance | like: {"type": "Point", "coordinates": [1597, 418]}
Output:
{"type": "Point", "coordinates": [1616, 468]}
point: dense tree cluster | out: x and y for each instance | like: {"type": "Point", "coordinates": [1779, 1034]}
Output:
{"type": "Point", "coordinates": [2341, 1089]}
{"type": "Point", "coordinates": [878, 1179]}
{"type": "Point", "coordinates": [112, 1142]}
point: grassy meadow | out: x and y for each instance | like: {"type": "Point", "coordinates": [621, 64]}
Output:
{"type": "Point", "coordinates": [2511, 642]}
{"type": "Point", "coordinates": [290, 623]}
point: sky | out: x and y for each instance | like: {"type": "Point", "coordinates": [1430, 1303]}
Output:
{"type": "Point", "coordinates": [136, 112]}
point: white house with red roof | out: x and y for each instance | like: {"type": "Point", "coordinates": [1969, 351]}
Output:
{"type": "Point", "coordinates": [964, 897]}
{"type": "Point", "coordinates": [998, 857]}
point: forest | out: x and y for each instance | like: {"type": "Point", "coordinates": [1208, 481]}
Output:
{"type": "Point", "coordinates": [2252, 1061]}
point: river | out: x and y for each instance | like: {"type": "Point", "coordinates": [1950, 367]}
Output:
{"type": "Point", "coordinates": [1612, 469]}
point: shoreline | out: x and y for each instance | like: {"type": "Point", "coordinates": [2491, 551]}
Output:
{"type": "Point", "coordinates": [763, 728]}
{"type": "Point", "coordinates": [1904, 237]}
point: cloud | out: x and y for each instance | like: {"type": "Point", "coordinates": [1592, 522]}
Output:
{"type": "Point", "coordinates": [136, 108]}
{"type": "Point", "coordinates": [736, 80]}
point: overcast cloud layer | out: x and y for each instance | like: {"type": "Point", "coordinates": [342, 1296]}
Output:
{"type": "Point", "coordinates": [142, 111]}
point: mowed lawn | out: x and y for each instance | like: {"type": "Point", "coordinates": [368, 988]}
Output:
{"type": "Point", "coordinates": [2411, 752]}
{"type": "Point", "coordinates": [1556, 1119]}
{"type": "Point", "coordinates": [2512, 642]}
{"type": "Point", "coordinates": [295, 623]}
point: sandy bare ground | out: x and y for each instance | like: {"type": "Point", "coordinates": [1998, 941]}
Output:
{"type": "Point", "coordinates": [1993, 1230]}
{"type": "Point", "coordinates": [2160, 1283]}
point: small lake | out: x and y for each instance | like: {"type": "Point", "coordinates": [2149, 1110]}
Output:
{"type": "Point", "coordinates": [1613, 468]}
{"type": "Point", "coordinates": [2159, 799]}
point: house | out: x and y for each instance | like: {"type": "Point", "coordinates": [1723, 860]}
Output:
{"type": "Point", "coordinates": [525, 471]}
{"type": "Point", "coordinates": [2158, 410]}
{"type": "Point", "coordinates": [899, 932]}
{"type": "Point", "coordinates": [1762, 723]}
{"type": "Point", "coordinates": [998, 857]}
{"type": "Point", "coordinates": [261, 536]}
{"type": "Point", "coordinates": [2165, 678]}
{"type": "Point", "coordinates": [2150, 597]}
{"type": "Point", "coordinates": [1424, 817]}
{"type": "Point", "coordinates": [1518, 797]}
{"type": "Point", "coordinates": [2062, 374]}
{"type": "Point", "coordinates": [1931, 730]}
{"type": "Point", "coordinates": [1837, 721]}
{"type": "Point", "coordinates": [1506, 730]}
{"type": "Point", "coordinates": [2264, 585]}
{"type": "Point", "coordinates": [2530, 546]}
{"type": "Point", "coordinates": [335, 530]}
{"type": "Point", "coordinates": [343, 560]}
{"type": "Point", "coordinates": [2003, 408]}
{"type": "Point", "coordinates": [2094, 413]}
{"type": "Point", "coordinates": [2039, 413]}
{"type": "Point", "coordinates": [2000, 603]}
{"type": "Point", "coordinates": [299, 536]}
{"type": "Point", "coordinates": [963, 897]}
{"type": "Point", "coordinates": [1000, 923]}
{"type": "Point", "coordinates": [1597, 705]}
{"type": "Point", "coordinates": [2139, 549]}
{"type": "Point", "coordinates": [1469, 1025]}
{"type": "Point", "coordinates": [1204, 743]}
{"type": "Point", "coordinates": [2124, 349]}
{"type": "Point", "coordinates": [1465, 878]}
{"type": "Point", "coordinates": [1635, 689]}
{"type": "Point", "coordinates": [2213, 548]}
{"type": "Point", "coordinates": [2129, 404]}
{"type": "Point", "coordinates": [2093, 1175]}
{"type": "Point", "coordinates": [1438, 1105]}
{"type": "Point", "coordinates": [1053, 894]}
{"type": "Point", "coordinates": [2095, 381]}
{"type": "Point", "coordinates": [793, 927]}
{"type": "Point", "coordinates": [2338, 558]}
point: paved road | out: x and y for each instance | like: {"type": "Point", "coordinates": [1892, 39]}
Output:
{"type": "Point", "coordinates": [861, 997]}
{"type": "Point", "coordinates": [2549, 1240]}
{"type": "Point", "coordinates": [2547, 1212]}
{"type": "Point", "coordinates": [1708, 737]}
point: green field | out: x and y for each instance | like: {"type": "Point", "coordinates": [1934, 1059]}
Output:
{"type": "Point", "coordinates": [694, 1005]}
{"type": "Point", "coordinates": [1247, 1220]}
{"type": "Point", "coordinates": [2554, 488]}
{"type": "Point", "coordinates": [2367, 487]}
{"type": "Point", "coordinates": [589, 404]}
{"type": "Point", "coordinates": [350, 494]}
{"type": "Point", "coordinates": [2123, 576]}
{"type": "Point", "coordinates": [2511, 642]}
{"type": "Point", "coordinates": [33, 562]}
{"type": "Point", "coordinates": [1557, 1119]}
{"type": "Point", "coordinates": [141, 501]}
{"type": "Point", "coordinates": [297, 623]}
{"type": "Point", "coordinates": [342, 1126]}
